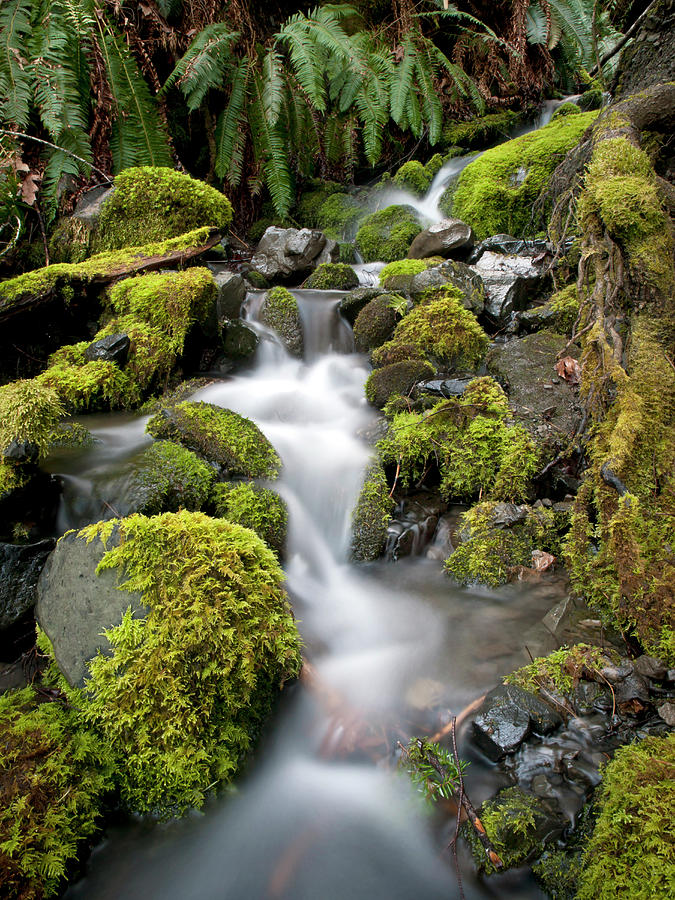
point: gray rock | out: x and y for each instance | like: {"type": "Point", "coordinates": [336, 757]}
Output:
{"type": "Point", "coordinates": [506, 717]}
{"type": "Point", "coordinates": [633, 687]}
{"type": "Point", "coordinates": [667, 713]}
{"type": "Point", "coordinates": [329, 254]}
{"type": "Point", "coordinates": [449, 237]}
{"type": "Point", "coordinates": [455, 273]}
{"type": "Point", "coordinates": [231, 294]}
{"type": "Point", "coordinates": [510, 282]}
{"type": "Point", "coordinates": [506, 243]}
{"type": "Point", "coordinates": [650, 667]}
{"type": "Point", "coordinates": [75, 604]}
{"type": "Point", "coordinates": [113, 348]}
{"type": "Point", "coordinates": [20, 567]}
{"type": "Point", "coordinates": [89, 205]}
{"type": "Point", "coordinates": [446, 387]}
{"type": "Point", "coordinates": [287, 253]}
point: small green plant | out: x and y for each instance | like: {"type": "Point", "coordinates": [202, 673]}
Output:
{"type": "Point", "coordinates": [432, 769]}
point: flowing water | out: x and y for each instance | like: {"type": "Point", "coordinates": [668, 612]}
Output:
{"type": "Point", "coordinates": [322, 811]}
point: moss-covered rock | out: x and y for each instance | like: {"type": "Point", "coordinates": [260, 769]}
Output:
{"type": "Point", "coordinates": [481, 131]}
{"type": "Point", "coordinates": [630, 853]}
{"type": "Point", "coordinates": [398, 275]}
{"type": "Point", "coordinates": [371, 515]}
{"type": "Point", "coordinates": [562, 669]}
{"type": "Point", "coordinates": [153, 204]}
{"type": "Point", "coordinates": [414, 177]}
{"type": "Point", "coordinates": [468, 441]}
{"type": "Point", "coordinates": [440, 330]}
{"type": "Point", "coordinates": [566, 109]}
{"type": "Point", "coordinates": [518, 826]}
{"type": "Point", "coordinates": [338, 217]}
{"type": "Point", "coordinates": [386, 235]}
{"type": "Point", "coordinates": [29, 417]}
{"type": "Point", "coordinates": [332, 277]}
{"type": "Point", "coordinates": [396, 378]}
{"type": "Point", "coordinates": [220, 436]}
{"type": "Point", "coordinates": [168, 477]}
{"type": "Point", "coordinates": [54, 775]}
{"type": "Point", "coordinates": [374, 324]}
{"type": "Point", "coordinates": [499, 538]}
{"type": "Point", "coordinates": [279, 311]}
{"type": "Point", "coordinates": [254, 507]}
{"type": "Point", "coordinates": [314, 195]}
{"type": "Point", "coordinates": [495, 193]}
{"type": "Point", "coordinates": [184, 691]}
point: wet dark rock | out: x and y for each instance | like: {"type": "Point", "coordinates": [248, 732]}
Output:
{"type": "Point", "coordinates": [446, 387]}
{"type": "Point", "coordinates": [240, 341]}
{"type": "Point", "coordinates": [231, 292]}
{"type": "Point", "coordinates": [113, 348]}
{"type": "Point", "coordinates": [511, 283]}
{"type": "Point", "coordinates": [453, 273]}
{"type": "Point", "coordinates": [650, 667]}
{"type": "Point", "coordinates": [534, 319]}
{"type": "Point", "coordinates": [75, 604]}
{"type": "Point", "coordinates": [21, 451]}
{"type": "Point", "coordinates": [351, 305]}
{"type": "Point", "coordinates": [12, 676]}
{"type": "Point", "coordinates": [413, 525]}
{"type": "Point", "coordinates": [288, 253]}
{"type": "Point", "coordinates": [617, 673]}
{"type": "Point", "coordinates": [629, 690]}
{"type": "Point", "coordinates": [507, 716]}
{"type": "Point", "coordinates": [20, 567]}
{"type": "Point", "coordinates": [506, 515]}
{"type": "Point", "coordinates": [449, 237]}
{"type": "Point", "coordinates": [589, 696]}
{"type": "Point", "coordinates": [506, 243]}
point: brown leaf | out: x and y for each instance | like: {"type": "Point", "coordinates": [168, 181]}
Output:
{"type": "Point", "coordinates": [569, 369]}
{"type": "Point", "coordinates": [29, 188]}
{"type": "Point", "coordinates": [542, 561]}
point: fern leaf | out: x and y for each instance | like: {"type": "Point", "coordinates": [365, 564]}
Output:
{"type": "Point", "coordinates": [204, 65]}
{"type": "Point", "coordinates": [273, 86]}
{"type": "Point", "coordinates": [308, 65]}
{"type": "Point", "coordinates": [270, 150]}
{"type": "Point", "coordinates": [15, 80]}
{"type": "Point", "coordinates": [231, 125]}
{"type": "Point", "coordinates": [402, 81]}
{"type": "Point", "coordinates": [536, 25]}
{"type": "Point", "coordinates": [431, 105]}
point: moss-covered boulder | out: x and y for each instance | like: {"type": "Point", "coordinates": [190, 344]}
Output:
{"type": "Point", "coordinates": [495, 193]}
{"type": "Point", "coordinates": [630, 853]}
{"type": "Point", "coordinates": [468, 442]}
{"type": "Point", "coordinates": [498, 539]}
{"type": "Point", "coordinates": [332, 277]}
{"type": "Point", "coordinates": [371, 515]}
{"type": "Point", "coordinates": [29, 418]}
{"type": "Point", "coordinates": [386, 235]}
{"type": "Point", "coordinates": [481, 131]}
{"type": "Point", "coordinates": [219, 435]}
{"type": "Point", "coordinates": [440, 330]}
{"type": "Point", "coordinates": [398, 275]}
{"type": "Point", "coordinates": [153, 204]}
{"type": "Point", "coordinates": [54, 775]}
{"type": "Point", "coordinates": [375, 323]}
{"type": "Point", "coordinates": [414, 177]}
{"type": "Point", "coordinates": [183, 693]}
{"type": "Point", "coordinates": [339, 216]}
{"type": "Point", "coordinates": [450, 273]}
{"type": "Point", "coordinates": [396, 378]}
{"type": "Point", "coordinates": [254, 507]}
{"type": "Point", "coordinates": [279, 311]}
{"type": "Point", "coordinates": [168, 477]}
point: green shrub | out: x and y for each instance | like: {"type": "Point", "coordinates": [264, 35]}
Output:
{"type": "Point", "coordinates": [254, 507]}
{"type": "Point", "coordinates": [387, 235]}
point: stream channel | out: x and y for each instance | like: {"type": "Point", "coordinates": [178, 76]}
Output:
{"type": "Point", "coordinates": [322, 812]}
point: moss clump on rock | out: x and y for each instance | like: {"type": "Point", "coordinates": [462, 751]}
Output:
{"type": "Point", "coordinates": [29, 414]}
{"type": "Point", "coordinates": [630, 853]}
{"type": "Point", "coordinates": [254, 507]}
{"type": "Point", "coordinates": [374, 324]}
{"type": "Point", "coordinates": [153, 204]}
{"type": "Point", "coordinates": [185, 690]}
{"type": "Point", "coordinates": [562, 669]}
{"type": "Point", "coordinates": [12, 477]}
{"type": "Point", "coordinates": [493, 548]}
{"type": "Point", "coordinates": [279, 311]}
{"type": "Point", "coordinates": [414, 177]}
{"type": "Point", "coordinates": [469, 440]}
{"type": "Point", "coordinates": [481, 131]}
{"type": "Point", "coordinates": [397, 378]}
{"type": "Point", "coordinates": [54, 775]}
{"type": "Point", "coordinates": [440, 330]}
{"type": "Point", "coordinates": [495, 193]}
{"type": "Point", "coordinates": [387, 235]}
{"type": "Point", "coordinates": [332, 277]}
{"type": "Point", "coordinates": [398, 275]}
{"type": "Point", "coordinates": [338, 217]}
{"type": "Point", "coordinates": [88, 385]}
{"type": "Point", "coordinates": [371, 515]}
{"type": "Point", "coordinates": [220, 436]}
{"type": "Point", "coordinates": [169, 477]}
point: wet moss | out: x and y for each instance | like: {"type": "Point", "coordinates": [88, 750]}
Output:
{"type": "Point", "coordinates": [562, 669]}
{"type": "Point", "coordinates": [387, 235]}
{"type": "Point", "coordinates": [332, 277]}
{"type": "Point", "coordinates": [371, 515]}
{"type": "Point", "coordinates": [279, 311]}
{"type": "Point", "coordinates": [414, 177]}
{"type": "Point", "coordinates": [630, 853]}
{"type": "Point", "coordinates": [183, 694]}
{"type": "Point", "coordinates": [495, 193]}
{"type": "Point", "coordinates": [152, 204]}
{"type": "Point", "coordinates": [565, 306]}
{"type": "Point", "coordinates": [254, 507]}
{"type": "Point", "coordinates": [398, 275]}
{"type": "Point", "coordinates": [12, 477]}
{"type": "Point", "coordinates": [338, 217]}
{"type": "Point", "coordinates": [220, 436]}
{"type": "Point", "coordinates": [397, 378]}
{"type": "Point", "coordinates": [374, 324]}
{"type": "Point", "coordinates": [54, 776]}
{"type": "Point", "coordinates": [481, 131]}
{"type": "Point", "coordinates": [29, 414]}
{"type": "Point", "coordinates": [441, 331]}
{"type": "Point", "coordinates": [169, 477]}
{"type": "Point", "coordinates": [566, 109]}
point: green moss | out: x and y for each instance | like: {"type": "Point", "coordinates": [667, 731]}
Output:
{"type": "Point", "coordinates": [565, 305]}
{"type": "Point", "coordinates": [186, 689]}
{"type": "Point", "coordinates": [434, 165]}
{"type": "Point", "coordinates": [332, 277]}
{"type": "Point", "coordinates": [495, 193]}
{"type": "Point", "coordinates": [153, 204]}
{"type": "Point", "coordinates": [312, 199]}
{"type": "Point", "coordinates": [390, 275]}
{"type": "Point", "coordinates": [397, 378]}
{"type": "Point", "coordinates": [480, 131]}
{"type": "Point", "coordinates": [491, 553]}
{"type": "Point", "coordinates": [440, 330]}
{"type": "Point", "coordinates": [558, 873]}
{"type": "Point", "coordinates": [414, 177]}
{"type": "Point", "coordinates": [61, 277]}
{"type": "Point", "coordinates": [83, 385]}
{"type": "Point", "coordinates": [53, 775]}
{"type": "Point", "coordinates": [371, 515]}
{"type": "Point", "coordinates": [29, 413]}
{"type": "Point", "coordinates": [12, 477]}
{"type": "Point", "coordinates": [562, 669]}
{"type": "Point", "coordinates": [220, 436]}
{"type": "Point", "coordinates": [513, 822]}
{"type": "Point", "coordinates": [387, 235]}
{"type": "Point", "coordinates": [374, 324]}
{"type": "Point", "coordinates": [73, 435]}
{"type": "Point", "coordinates": [566, 109]}
{"type": "Point", "coordinates": [257, 280]}
{"type": "Point", "coordinates": [592, 99]}
{"type": "Point", "coordinates": [70, 242]}
{"type": "Point", "coordinates": [256, 508]}
{"type": "Point", "coordinates": [630, 853]}
{"type": "Point", "coordinates": [168, 477]}
{"type": "Point", "coordinates": [279, 311]}
{"type": "Point", "coordinates": [338, 217]}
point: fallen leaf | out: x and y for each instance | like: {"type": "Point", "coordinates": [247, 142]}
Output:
{"type": "Point", "coordinates": [569, 369]}
{"type": "Point", "coordinates": [542, 561]}
{"type": "Point", "coordinates": [29, 188]}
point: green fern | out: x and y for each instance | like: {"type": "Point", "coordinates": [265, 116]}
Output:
{"type": "Point", "coordinates": [16, 89]}
{"type": "Point", "coordinates": [231, 128]}
{"type": "Point", "coordinates": [270, 150]}
{"type": "Point", "coordinates": [205, 65]}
